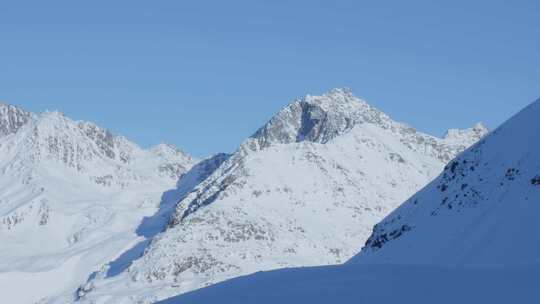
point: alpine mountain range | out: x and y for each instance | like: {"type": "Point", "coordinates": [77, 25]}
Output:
{"type": "Point", "coordinates": [87, 216]}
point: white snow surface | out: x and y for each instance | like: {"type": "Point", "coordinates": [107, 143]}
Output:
{"type": "Point", "coordinates": [381, 284]}
{"type": "Point", "coordinates": [481, 211]}
{"type": "Point", "coordinates": [304, 190]}
{"type": "Point", "coordinates": [73, 197]}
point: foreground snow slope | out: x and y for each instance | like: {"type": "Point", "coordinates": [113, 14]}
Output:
{"type": "Point", "coordinates": [381, 284]}
{"type": "Point", "coordinates": [304, 190]}
{"type": "Point", "coordinates": [72, 196]}
{"type": "Point", "coordinates": [482, 210]}
{"type": "Point", "coordinates": [468, 237]}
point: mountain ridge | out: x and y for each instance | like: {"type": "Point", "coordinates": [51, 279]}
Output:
{"type": "Point", "coordinates": [469, 236]}
{"type": "Point", "coordinates": [264, 207]}
{"type": "Point", "coordinates": [73, 195]}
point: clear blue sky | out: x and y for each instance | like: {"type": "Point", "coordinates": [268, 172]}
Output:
{"type": "Point", "coordinates": [204, 75]}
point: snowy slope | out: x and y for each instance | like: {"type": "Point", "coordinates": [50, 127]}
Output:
{"type": "Point", "coordinates": [482, 210]}
{"type": "Point", "coordinates": [468, 237]}
{"type": "Point", "coordinates": [304, 190]}
{"type": "Point", "coordinates": [71, 198]}
{"type": "Point", "coordinates": [381, 284]}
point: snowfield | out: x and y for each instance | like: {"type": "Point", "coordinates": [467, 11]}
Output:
{"type": "Point", "coordinates": [382, 284]}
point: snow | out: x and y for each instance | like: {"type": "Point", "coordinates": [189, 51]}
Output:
{"type": "Point", "coordinates": [72, 197]}
{"type": "Point", "coordinates": [381, 284]}
{"type": "Point", "coordinates": [482, 210]}
{"type": "Point", "coordinates": [304, 190]}
{"type": "Point", "coordinates": [470, 236]}
{"type": "Point", "coordinates": [30, 287]}
{"type": "Point", "coordinates": [88, 216]}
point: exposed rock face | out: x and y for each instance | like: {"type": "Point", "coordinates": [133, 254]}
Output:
{"type": "Point", "coordinates": [107, 142]}
{"type": "Point", "coordinates": [316, 119]}
{"type": "Point", "coordinates": [304, 190]}
{"type": "Point", "coordinates": [12, 119]}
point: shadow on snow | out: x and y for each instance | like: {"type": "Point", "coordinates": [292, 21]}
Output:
{"type": "Point", "coordinates": [151, 226]}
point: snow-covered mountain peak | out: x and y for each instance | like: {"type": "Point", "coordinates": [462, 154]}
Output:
{"type": "Point", "coordinates": [166, 150]}
{"type": "Point", "coordinates": [305, 189]}
{"type": "Point", "coordinates": [12, 118]}
{"type": "Point", "coordinates": [175, 161]}
{"type": "Point", "coordinates": [73, 196]}
{"type": "Point", "coordinates": [51, 122]}
{"type": "Point", "coordinates": [315, 119]}
{"type": "Point", "coordinates": [79, 145]}
{"type": "Point", "coordinates": [467, 136]}
{"type": "Point", "coordinates": [335, 98]}
{"type": "Point", "coordinates": [320, 119]}
{"type": "Point", "coordinates": [107, 158]}
{"type": "Point", "coordinates": [323, 119]}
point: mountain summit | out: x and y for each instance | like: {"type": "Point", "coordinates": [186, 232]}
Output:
{"type": "Point", "coordinates": [317, 119]}
{"type": "Point", "coordinates": [467, 237]}
{"type": "Point", "coordinates": [304, 190]}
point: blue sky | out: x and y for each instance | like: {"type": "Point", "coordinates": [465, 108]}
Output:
{"type": "Point", "coordinates": [204, 75]}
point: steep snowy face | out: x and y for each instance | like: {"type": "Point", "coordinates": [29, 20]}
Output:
{"type": "Point", "coordinates": [72, 197]}
{"type": "Point", "coordinates": [303, 190]}
{"type": "Point", "coordinates": [482, 210]}
{"type": "Point", "coordinates": [12, 119]}
{"type": "Point", "coordinates": [381, 284]}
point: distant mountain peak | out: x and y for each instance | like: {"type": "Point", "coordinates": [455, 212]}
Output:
{"type": "Point", "coordinates": [72, 189]}
{"type": "Point", "coordinates": [85, 147]}
{"type": "Point", "coordinates": [315, 119]}
{"type": "Point", "coordinates": [320, 119]}
{"type": "Point", "coordinates": [335, 98]}
{"type": "Point", "coordinates": [468, 135]}
{"type": "Point", "coordinates": [167, 149]}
